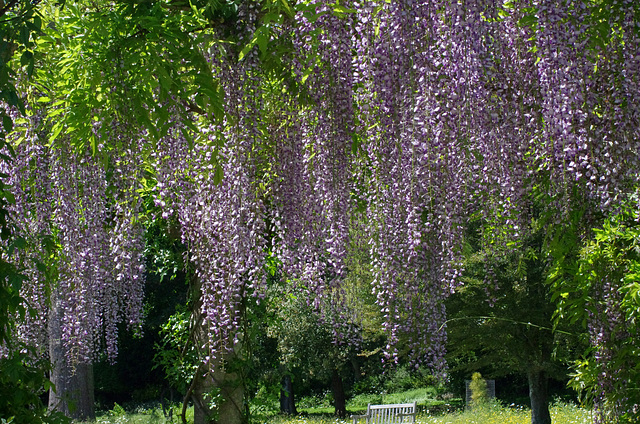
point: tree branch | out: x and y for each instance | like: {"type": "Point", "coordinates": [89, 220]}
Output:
{"type": "Point", "coordinates": [187, 396]}
{"type": "Point", "coordinates": [528, 324]}
{"type": "Point", "coordinates": [7, 6]}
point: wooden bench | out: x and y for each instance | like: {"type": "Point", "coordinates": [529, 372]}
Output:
{"type": "Point", "coordinates": [388, 414]}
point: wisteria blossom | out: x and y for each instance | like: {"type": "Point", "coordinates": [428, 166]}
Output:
{"type": "Point", "coordinates": [406, 117]}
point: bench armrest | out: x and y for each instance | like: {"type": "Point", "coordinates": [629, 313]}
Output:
{"type": "Point", "coordinates": [411, 414]}
{"type": "Point", "coordinates": [357, 417]}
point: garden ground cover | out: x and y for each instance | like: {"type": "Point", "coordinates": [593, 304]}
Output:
{"type": "Point", "coordinates": [561, 413]}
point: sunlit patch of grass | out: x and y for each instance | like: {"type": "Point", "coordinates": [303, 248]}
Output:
{"type": "Point", "coordinates": [141, 415]}
{"type": "Point", "coordinates": [567, 413]}
{"type": "Point", "coordinates": [497, 414]}
{"type": "Point", "coordinates": [426, 398]}
{"type": "Point", "coordinates": [486, 414]}
{"type": "Point", "coordinates": [311, 419]}
{"type": "Point", "coordinates": [492, 413]}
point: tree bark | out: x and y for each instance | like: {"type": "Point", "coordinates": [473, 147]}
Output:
{"type": "Point", "coordinates": [73, 383]}
{"type": "Point", "coordinates": [73, 395]}
{"type": "Point", "coordinates": [228, 389]}
{"type": "Point", "coordinates": [219, 379]}
{"type": "Point", "coordinates": [202, 385]}
{"type": "Point", "coordinates": [539, 395]}
{"type": "Point", "coordinates": [339, 398]}
{"type": "Point", "coordinates": [287, 401]}
{"type": "Point", "coordinates": [356, 368]}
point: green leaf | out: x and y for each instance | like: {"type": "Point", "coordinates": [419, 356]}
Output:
{"type": "Point", "coordinates": [355, 144]}
{"type": "Point", "coordinates": [10, 197]}
{"type": "Point", "coordinates": [30, 68]}
{"type": "Point", "coordinates": [16, 280]}
{"type": "Point", "coordinates": [12, 97]}
{"type": "Point", "coordinates": [218, 174]}
{"type": "Point", "coordinates": [24, 35]}
{"type": "Point", "coordinates": [37, 23]}
{"type": "Point", "coordinates": [93, 141]}
{"type": "Point", "coordinates": [263, 41]}
{"type": "Point", "coordinates": [188, 136]}
{"type": "Point", "coordinates": [7, 123]}
{"type": "Point", "coordinates": [343, 10]}
{"type": "Point", "coordinates": [528, 21]}
{"type": "Point", "coordinates": [55, 131]}
{"type": "Point", "coordinates": [287, 8]}
{"type": "Point", "coordinates": [55, 112]}
{"type": "Point", "coordinates": [26, 57]}
{"type": "Point", "coordinates": [247, 48]}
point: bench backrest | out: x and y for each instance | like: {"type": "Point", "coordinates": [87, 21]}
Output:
{"type": "Point", "coordinates": [391, 414]}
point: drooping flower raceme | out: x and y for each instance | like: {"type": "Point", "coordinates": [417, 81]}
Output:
{"type": "Point", "coordinates": [84, 264]}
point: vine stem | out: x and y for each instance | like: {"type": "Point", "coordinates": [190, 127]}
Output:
{"type": "Point", "coordinates": [528, 324]}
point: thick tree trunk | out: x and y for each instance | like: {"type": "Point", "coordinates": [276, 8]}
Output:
{"type": "Point", "coordinates": [287, 401]}
{"type": "Point", "coordinates": [217, 379]}
{"type": "Point", "coordinates": [538, 393]}
{"type": "Point", "coordinates": [356, 368]}
{"type": "Point", "coordinates": [228, 389]}
{"type": "Point", "coordinates": [339, 397]}
{"type": "Point", "coordinates": [202, 413]}
{"type": "Point", "coordinates": [72, 393]}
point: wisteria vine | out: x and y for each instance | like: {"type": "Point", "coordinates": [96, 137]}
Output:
{"type": "Point", "coordinates": [84, 257]}
{"type": "Point", "coordinates": [406, 117]}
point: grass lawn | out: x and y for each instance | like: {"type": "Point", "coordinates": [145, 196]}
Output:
{"type": "Point", "coordinates": [426, 398]}
{"type": "Point", "coordinates": [495, 414]}
{"type": "Point", "coordinates": [491, 414]}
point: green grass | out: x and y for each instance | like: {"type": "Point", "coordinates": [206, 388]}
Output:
{"type": "Point", "coordinates": [423, 397]}
{"type": "Point", "coordinates": [561, 413]}
{"type": "Point", "coordinates": [141, 415]}
{"type": "Point", "coordinates": [426, 398]}
{"type": "Point", "coordinates": [497, 414]}
{"type": "Point", "coordinates": [490, 414]}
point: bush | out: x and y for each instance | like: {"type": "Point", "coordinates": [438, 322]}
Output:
{"type": "Point", "coordinates": [421, 396]}
{"type": "Point", "coordinates": [362, 400]}
{"type": "Point", "coordinates": [368, 385]}
{"type": "Point", "coordinates": [478, 387]}
{"type": "Point", "coordinates": [404, 378]}
{"type": "Point", "coordinates": [22, 385]}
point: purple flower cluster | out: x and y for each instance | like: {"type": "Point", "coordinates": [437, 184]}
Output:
{"type": "Point", "coordinates": [214, 191]}
{"type": "Point", "coordinates": [398, 121]}
{"type": "Point", "coordinates": [456, 108]}
{"type": "Point", "coordinates": [31, 212]}
{"type": "Point", "coordinates": [85, 246]}
{"type": "Point", "coordinates": [313, 169]}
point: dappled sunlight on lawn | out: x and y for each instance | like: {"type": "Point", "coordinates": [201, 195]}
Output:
{"type": "Point", "coordinates": [496, 414]}
{"type": "Point", "coordinates": [491, 414]}
{"type": "Point", "coordinates": [561, 413]}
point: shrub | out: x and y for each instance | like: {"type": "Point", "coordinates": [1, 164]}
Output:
{"type": "Point", "coordinates": [478, 387]}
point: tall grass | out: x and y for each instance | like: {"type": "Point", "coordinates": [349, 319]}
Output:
{"type": "Point", "coordinates": [424, 397]}
{"type": "Point", "coordinates": [142, 415]}
{"type": "Point", "coordinates": [486, 414]}
{"type": "Point", "coordinates": [492, 413]}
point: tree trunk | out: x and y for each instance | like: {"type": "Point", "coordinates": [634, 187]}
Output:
{"type": "Point", "coordinates": [339, 397]}
{"type": "Point", "coordinates": [202, 385]}
{"type": "Point", "coordinates": [538, 393]}
{"type": "Point", "coordinates": [72, 393]}
{"type": "Point", "coordinates": [356, 368]}
{"type": "Point", "coordinates": [217, 379]}
{"type": "Point", "coordinates": [287, 401]}
{"type": "Point", "coordinates": [228, 389]}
